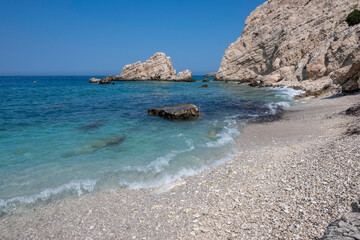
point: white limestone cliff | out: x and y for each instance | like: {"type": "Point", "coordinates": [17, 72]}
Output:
{"type": "Point", "coordinates": [297, 43]}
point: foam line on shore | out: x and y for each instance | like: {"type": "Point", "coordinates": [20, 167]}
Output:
{"type": "Point", "coordinates": [78, 187]}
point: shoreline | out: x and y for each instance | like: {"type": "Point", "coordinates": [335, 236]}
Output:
{"type": "Point", "coordinates": [272, 188]}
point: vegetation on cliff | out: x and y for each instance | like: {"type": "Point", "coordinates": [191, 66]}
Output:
{"type": "Point", "coordinates": [353, 18]}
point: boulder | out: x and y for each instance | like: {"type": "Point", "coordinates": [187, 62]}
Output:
{"type": "Point", "coordinates": [176, 112]}
{"type": "Point", "coordinates": [347, 227]}
{"type": "Point", "coordinates": [304, 44]}
{"type": "Point", "coordinates": [184, 76]}
{"type": "Point", "coordinates": [204, 86]}
{"type": "Point", "coordinates": [206, 80]}
{"type": "Point", "coordinates": [353, 111]}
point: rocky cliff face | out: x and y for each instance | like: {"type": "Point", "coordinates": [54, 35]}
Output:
{"type": "Point", "coordinates": [158, 67]}
{"type": "Point", "coordinates": [297, 43]}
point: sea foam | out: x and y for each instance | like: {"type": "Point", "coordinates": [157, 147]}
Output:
{"type": "Point", "coordinates": [77, 187]}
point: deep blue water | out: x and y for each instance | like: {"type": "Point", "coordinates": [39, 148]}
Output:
{"type": "Point", "coordinates": [62, 136]}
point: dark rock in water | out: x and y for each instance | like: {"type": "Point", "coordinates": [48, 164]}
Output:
{"type": "Point", "coordinates": [347, 227]}
{"type": "Point", "coordinates": [111, 78]}
{"type": "Point", "coordinates": [213, 74]}
{"type": "Point", "coordinates": [70, 154]}
{"type": "Point", "coordinates": [96, 146]}
{"type": "Point", "coordinates": [204, 86]}
{"type": "Point", "coordinates": [107, 142]}
{"type": "Point", "coordinates": [255, 83]}
{"type": "Point", "coordinates": [353, 111]}
{"type": "Point", "coordinates": [113, 83]}
{"type": "Point", "coordinates": [92, 126]}
{"type": "Point", "coordinates": [176, 112]}
{"type": "Point", "coordinates": [206, 80]}
{"type": "Point", "coordinates": [104, 81]}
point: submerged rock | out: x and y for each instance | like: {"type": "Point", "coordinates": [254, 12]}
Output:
{"type": "Point", "coordinates": [95, 146]}
{"type": "Point", "coordinates": [304, 43]}
{"type": "Point", "coordinates": [176, 112]}
{"type": "Point", "coordinates": [204, 86]}
{"type": "Point", "coordinates": [212, 134]}
{"type": "Point", "coordinates": [107, 142]}
{"type": "Point", "coordinates": [94, 125]}
{"type": "Point", "coordinates": [206, 80]}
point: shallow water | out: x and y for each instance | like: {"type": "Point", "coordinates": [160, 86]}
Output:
{"type": "Point", "coordinates": [62, 136]}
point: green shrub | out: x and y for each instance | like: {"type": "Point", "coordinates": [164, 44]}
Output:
{"type": "Point", "coordinates": [353, 18]}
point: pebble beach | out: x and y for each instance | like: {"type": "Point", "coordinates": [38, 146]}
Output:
{"type": "Point", "coordinates": [289, 180]}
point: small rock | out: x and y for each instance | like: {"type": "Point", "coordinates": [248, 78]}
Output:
{"type": "Point", "coordinates": [187, 210]}
{"type": "Point", "coordinates": [204, 230]}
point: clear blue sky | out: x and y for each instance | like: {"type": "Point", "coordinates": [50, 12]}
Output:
{"type": "Point", "coordinates": [85, 37]}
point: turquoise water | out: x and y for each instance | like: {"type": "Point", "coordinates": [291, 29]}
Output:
{"type": "Point", "coordinates": [62, 136]}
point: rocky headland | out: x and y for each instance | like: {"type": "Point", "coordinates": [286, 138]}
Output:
{"type": "Point", "coordinates": [157, 68]}
{"type": "Point", "coordinates": [304, 44]}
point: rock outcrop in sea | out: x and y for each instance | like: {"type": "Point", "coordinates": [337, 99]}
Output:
{"type": "Point", "coordinates": [94, 80]}
{"type": "Point", "coordinates": [158, 67]}
{"type": "Point", "coordinates": [177, 112]}
{"type": "Point", "coordinates": [213, 74]}
{"type": "Point", "coordinates": [303, 43]}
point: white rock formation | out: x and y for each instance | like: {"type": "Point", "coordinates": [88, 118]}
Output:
{"type": "Point", "coordinates": [158, 67]}
{"type": "Point", "coordinates": [94, 80]}
{"type": "Point", "coordinates": [185, 75]}
{"type": "Point", "coordinates": [297, 43]}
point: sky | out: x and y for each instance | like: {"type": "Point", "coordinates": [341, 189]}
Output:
{"type": "Point", "coordinates": [88, 37]}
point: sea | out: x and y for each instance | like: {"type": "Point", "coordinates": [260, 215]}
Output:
{"type": "Point", "coordinates": [61, 136]}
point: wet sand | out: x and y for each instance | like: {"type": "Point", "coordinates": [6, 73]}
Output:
{"type": "Point", "coordinates": [289, 180]}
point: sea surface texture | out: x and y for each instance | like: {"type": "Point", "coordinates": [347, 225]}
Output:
{"type": "Point", "coordinates": [61, 136]}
